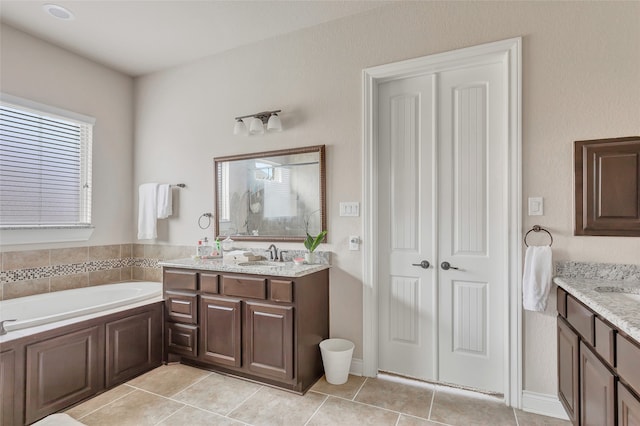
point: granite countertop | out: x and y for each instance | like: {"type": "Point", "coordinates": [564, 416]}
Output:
{"type": "Point", "coordinates": [278, 269]}
{"type": "Point", "coordinates": [620, 311]}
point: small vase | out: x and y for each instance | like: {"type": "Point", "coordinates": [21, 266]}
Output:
{"type": "Point", "coordinates": [310, 257]}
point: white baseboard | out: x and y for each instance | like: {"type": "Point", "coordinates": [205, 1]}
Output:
{"type": "Point", "coordinates": [540, 403]}
{"type": "Point", "coordinates": [356, 367]}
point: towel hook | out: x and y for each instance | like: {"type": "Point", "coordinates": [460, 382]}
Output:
{"type": "Point", "coordinates": [537, 228]}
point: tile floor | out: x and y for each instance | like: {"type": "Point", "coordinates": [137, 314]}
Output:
{"type": "Point", "coordinates": [181, 395]}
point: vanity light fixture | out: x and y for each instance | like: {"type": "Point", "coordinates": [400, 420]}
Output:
{"type": "Point", "coordinates": [258, 122]}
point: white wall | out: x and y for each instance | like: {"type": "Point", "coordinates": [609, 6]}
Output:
{"type": "Point", "coordinates": [38, 71]}
{"type": "Point", "coordinates": [581, 64]}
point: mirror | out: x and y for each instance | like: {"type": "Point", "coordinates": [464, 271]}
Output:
{"type": "Point", "coordinates": [271, 196]}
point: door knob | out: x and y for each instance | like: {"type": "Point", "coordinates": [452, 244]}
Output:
{"type": "Point", "coordinates": [424, 264]}
{"type": "Point", "coordinates": [446, 266]}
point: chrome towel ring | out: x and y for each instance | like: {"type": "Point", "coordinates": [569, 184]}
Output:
{"type": "Point", "coordinates": [537, 228]}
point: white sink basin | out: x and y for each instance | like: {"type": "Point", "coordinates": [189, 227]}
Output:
{"type": "Point", "coordinates": [622, 294]}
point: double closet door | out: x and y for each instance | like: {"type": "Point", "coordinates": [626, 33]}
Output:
{"type": "Point", "coordinates": [443, 265]}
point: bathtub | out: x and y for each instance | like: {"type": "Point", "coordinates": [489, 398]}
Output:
{"type": "Point", "coordinates": [33, 311]}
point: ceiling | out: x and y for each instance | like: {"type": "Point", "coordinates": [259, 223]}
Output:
{"type": "Point", "coordinates": [144, 36]}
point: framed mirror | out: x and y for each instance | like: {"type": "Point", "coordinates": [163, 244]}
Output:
{"type": "Point", "coordinates": [271, 196]}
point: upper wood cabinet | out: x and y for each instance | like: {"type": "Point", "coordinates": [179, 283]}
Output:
{"type": "Point", "coordinates": [607, 187]}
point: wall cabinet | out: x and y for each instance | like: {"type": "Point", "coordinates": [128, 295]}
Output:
{"type": "Point", "coordinates": [598, 368]}
{"type": "Point", "coordinates": [607, 187]}
{"type": "Point", "coordinates": [265, 328]}
{"type": "Point", "coordinates": [48, 372]}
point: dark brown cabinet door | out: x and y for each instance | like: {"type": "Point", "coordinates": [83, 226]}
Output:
{"type": "Point", "coordinates": [63, 370]}
{"type": "Point", "coordinates": [134, 345]}
{"type": "Point", "coordinates": [7, 388]}
{"type": "Point", "coordinates": [269, 340]}
{"type": "Point", "coordinates": [182, 339]}
{"type": "Point", "coordinates": [628, 407]}
{"type": "Point", "coordinates": [568, 378]}
{"type": "Point", "coordinates": [597, 391]}
{"type": "Point", "coordinates": [220, 331]}
{"type": "Point", "coordinates": [607, 179]}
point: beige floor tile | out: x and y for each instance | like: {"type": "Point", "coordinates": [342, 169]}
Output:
{"type": "Point", "coordinates": [139, 408]}
{"type": "Point", "coordinates": [168, 380]}
{"type": "Point", "coordinates": [456, 407]}
{"type": "Point", "coordinates": [337, 411]}
{"type": "Point", "coordinates": [275, 407]}
{"type": "Point", "coordinates": [530, 419]}
{"type": "Point", "coordinates": [218, 393]}
{"type": "Point", "coordinates": [99, 401]}
{"type": "Point", "coordinates": [398, 395]}
{"type": "Point", "coordinates": [347, 390]}
{"type": "Point", "coordinates": [405, 420]}
{"type": "Point", "coordinates": [195, 417]}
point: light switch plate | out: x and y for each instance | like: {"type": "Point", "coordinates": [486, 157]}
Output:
{"type": "Point", "coordinates": [536, 206]}
{"type": "Point", "coordinates": [351, 208]}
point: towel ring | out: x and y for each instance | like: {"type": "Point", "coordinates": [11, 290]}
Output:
{"type": "Point", "coordinates": [200, 221]}
{"type": "Point", "coordinates": [537, 228]}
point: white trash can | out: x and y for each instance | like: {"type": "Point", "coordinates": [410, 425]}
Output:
{"type": "Point", "coordinates": [336, 358]}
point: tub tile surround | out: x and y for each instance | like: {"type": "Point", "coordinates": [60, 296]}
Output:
{"type": "Point", "coordinates": [195, 396]}
{"type": "Point", "coordinates": [25, 273]}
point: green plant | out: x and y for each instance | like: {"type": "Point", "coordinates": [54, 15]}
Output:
{"type": "Point", "coordinates": [311, 243]}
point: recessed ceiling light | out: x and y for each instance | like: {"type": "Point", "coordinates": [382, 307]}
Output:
{"type": "Point", "coordinates": [58, 12]}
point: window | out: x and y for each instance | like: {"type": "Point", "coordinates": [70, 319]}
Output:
{"type": "Point", "coordinates": [45, 166]}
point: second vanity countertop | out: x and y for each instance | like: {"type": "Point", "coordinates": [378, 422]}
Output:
{"type": "Point", "coordinates": [278, 269]}
{"type": "Point", "coordinates": [620, 311]}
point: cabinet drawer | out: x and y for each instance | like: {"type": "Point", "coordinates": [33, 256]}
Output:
{"type": "Point", "coordinates": [254, 288]}
{"type": "Point", "coordinates": [177, 279]}
{"type": "Point", "coordinates": [628, 362]}
{"type": "Point", "coordinates": [281, 291]}
{"type": "Point", "coordinates": [562, 302]}
{"type": "Point", "coordinates": [605, 340]}
{"type": "Point", "coordinates": [209, 283]}
{"type": "Point", "coordinates": [581, 318]}
{"type": "Point", "coordinates": [182, 339]}
{"type": "Point", "coordinates": [181, 307]}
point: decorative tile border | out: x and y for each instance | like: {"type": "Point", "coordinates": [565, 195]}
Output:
{"type": "Point", "coordinates": [598, 271]}
{"type": "Point", "coordinates": [75, 268]}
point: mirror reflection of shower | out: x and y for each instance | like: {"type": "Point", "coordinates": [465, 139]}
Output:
{"type": "Point", "coordinates": [275, 195]}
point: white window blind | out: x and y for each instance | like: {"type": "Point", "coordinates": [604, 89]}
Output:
{"type": "Point", "coordinates": [45, 165]}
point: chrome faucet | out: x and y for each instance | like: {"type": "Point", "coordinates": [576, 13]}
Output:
{"type": "Point", "coordinates": [273, 252]}
{"type": "Point", "coordinates": [3, 330]}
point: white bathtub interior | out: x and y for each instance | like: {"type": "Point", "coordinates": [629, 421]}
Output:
{"type": "Point", "coordinates": [31, 311]}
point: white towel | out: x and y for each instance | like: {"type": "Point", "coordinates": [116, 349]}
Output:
{"type": "Point", "coordinates": [164, 201]}
{"type": "Point", "coordinates": [536, 281]}
{"type": "Point", "coordinates": [147, 211]}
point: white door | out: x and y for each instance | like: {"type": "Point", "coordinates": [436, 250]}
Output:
{"type": "Point", "coordinates": [442, 196]}
{"type": "Point", "coordinates": [407, 295]}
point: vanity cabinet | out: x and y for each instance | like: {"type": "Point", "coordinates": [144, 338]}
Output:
{"type": "Point", "coordinates": [598, 367]}
{"type": "Point", "coordinates": [221, 331]}
{"type": "Point", "coordinates": [261, 327]}
{"type": "Point", "coordinates": [568, 371]}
